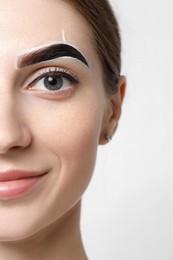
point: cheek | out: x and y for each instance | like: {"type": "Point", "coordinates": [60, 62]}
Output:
{"type": "Point", "coordinates": [70, 136]}
{"type": "Point", "coordinates": [70, 128]}
{"type": "Point", "coordinates": [73, 136]}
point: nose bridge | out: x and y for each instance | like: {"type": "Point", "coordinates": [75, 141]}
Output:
{"type": "Point", "coordinates": [13, 131]}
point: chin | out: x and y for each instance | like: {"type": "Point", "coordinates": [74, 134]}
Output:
{"type": "Point", "coordinates": [16, 234]}
{"type": "Point", "coordinates": [19, 227]}
{"type": "Point", "coordinates": [23, 227]}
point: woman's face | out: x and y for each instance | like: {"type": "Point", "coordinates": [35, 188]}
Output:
{"type": "Point", "coordinates": [53, 110]}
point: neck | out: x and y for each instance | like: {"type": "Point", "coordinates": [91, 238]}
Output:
{"type": "Point", "coordinates": [60, 241]}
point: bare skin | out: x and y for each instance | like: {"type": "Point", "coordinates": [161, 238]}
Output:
{"type": "Point", "coordinates": [61, 239]}
{"type": "Point", "coordinates": [52, 134]}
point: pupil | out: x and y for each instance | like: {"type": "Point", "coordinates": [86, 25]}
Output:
{"type": "Point", "coordinates": [53, 83]}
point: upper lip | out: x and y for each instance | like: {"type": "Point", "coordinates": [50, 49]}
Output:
{"type": "Point", "coordinates": [18, 174]}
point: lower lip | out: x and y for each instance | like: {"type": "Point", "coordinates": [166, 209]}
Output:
{"type": "Point", "coordinates": [17, 188]}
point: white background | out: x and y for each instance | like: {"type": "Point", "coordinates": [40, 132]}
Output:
{"type": "Point", "coordinates": [128, 207]}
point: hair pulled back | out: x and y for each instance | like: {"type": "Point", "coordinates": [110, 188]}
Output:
{"type": "Point", "coordinates": [104, 25]}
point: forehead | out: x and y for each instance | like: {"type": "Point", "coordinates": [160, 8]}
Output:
{"type": "Point", "coordinates": [30, 23]}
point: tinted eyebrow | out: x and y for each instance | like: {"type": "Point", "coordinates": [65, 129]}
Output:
{"type": "Point", "coordinates": [49, 53]}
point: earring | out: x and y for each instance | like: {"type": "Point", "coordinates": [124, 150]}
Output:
{"type": "Point", "coordinates": [108, 137]}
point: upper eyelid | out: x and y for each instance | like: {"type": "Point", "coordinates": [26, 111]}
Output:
{"type": "Point", "coordinates": [41, 72]}
{"type": "Point", "coordinates": [67, 76]}
{"type": "Point", "coordinates": [76, 67]}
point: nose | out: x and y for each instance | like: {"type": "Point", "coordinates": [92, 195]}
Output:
{"type": "Point", "coordinates": [14, 134]}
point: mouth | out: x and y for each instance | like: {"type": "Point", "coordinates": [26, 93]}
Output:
{"type": "Point", "coordinates": [17, 183]}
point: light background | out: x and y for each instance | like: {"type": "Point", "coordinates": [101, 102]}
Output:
{"type": "Point", "coordinates": [127, 211]}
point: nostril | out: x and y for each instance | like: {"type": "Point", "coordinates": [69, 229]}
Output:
{"type": "Point", "coordinates": [10, 149]}
{"type": "Point", "coordinates": [17, 147]}
{"type": "Point", "coordinates": [12, 142]}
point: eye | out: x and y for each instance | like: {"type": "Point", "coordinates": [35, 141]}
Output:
{"type": "Point", "coordinates": [52, 80]}
{"type": "Point", "coordinates": [52, 83]}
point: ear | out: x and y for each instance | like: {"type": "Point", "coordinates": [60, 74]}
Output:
{"type": "Point", "coordinates": [113, 112]}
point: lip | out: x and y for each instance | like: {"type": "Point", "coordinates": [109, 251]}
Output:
{"type": "Point", "coordinates": [16, 183]}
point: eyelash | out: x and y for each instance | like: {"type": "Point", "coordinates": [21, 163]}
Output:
{"type": "Point", "coordinates": [54, 72]}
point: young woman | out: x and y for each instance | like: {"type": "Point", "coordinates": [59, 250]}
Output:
{"type": "Point", "coordinates": [60, 97]}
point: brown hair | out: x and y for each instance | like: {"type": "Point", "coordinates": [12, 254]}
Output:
{"type": "Point", "coordinates": [101, 18]}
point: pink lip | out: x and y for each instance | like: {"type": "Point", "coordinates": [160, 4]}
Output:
{"type": "Point", "coordinates": [16, 183]}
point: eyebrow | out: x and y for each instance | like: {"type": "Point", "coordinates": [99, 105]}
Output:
{"type": "Point", "coordinates": [49, 53]}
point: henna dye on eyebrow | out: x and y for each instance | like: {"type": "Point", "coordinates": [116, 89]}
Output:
{"type": "Point", "coordinates": [49, 53]}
